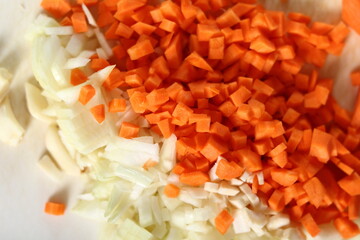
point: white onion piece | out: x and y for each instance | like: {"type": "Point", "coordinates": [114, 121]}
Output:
{"type": "Point", "coordinates": [75, 44]}
{"type": "Point", "coordinates": [159, 231]}
{"type": "Point", "coordinates": [134, 175]}
{"type": "Point", "coordinates": [60, 74]}
{"type": "Point", "coordinates": [228, 190]}
{"type": "Point", "coordinates": [36, 103]}
{"type": "Point", "coordinates": [130, 152]}
{"type": "Point", "coordinates": [241, 221]}
{"type": "Point", "coordinates": [101, 53]}
{"type": "Point", "coordinates": [57, 149]}
{"type": "Point", "coordinates": [88, 15]}
{"type": "Point", "coordinates": [168, 154]}
{"type": "Point", "coordinates": [145, 212]}
{"type": "Point", "coordinates": [211, 187]}
{"type": "Point", "coordinates": [49, 167]}
{"type": "Point", "coordinates": [129, 230]}
{"type": "Point", "coordinates": [156, 209]}
{"type": "Point", "coordinates": [76, 62]}
{"type": "Point", "coordinates": [5, 78]}
{"type": "Point", "coordinates": [103, 43]}
{"type": "Point", "coordinates": [278, 221]}
{"type": "Point", "coordinates": [90, 209]}
{"type": "Point", "coordinates": [63, 30]}
{"type": "Point", "coordinates": [11, 132]}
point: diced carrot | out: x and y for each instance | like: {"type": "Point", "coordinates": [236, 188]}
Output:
{"type": "Point", "coordinates": [57, 8]}
{"type": "Point", "coordinates": [240, 96]}
{"type": "Point", "coordinates": [249, 160]}
{"type": "Point", "coordinates": [166, 127]}
{"type": "Point", "coordinates": [284, 177]}
{"type": "Point", "coordinates": [298, 17]}
{"type": "Point", "coordinates": [129, 130]}
{"type": "Point", "coordinates": [213, 148]}
{"type": "Point", "coordinates": [216, 48]}
{"type": "Point", "coordinates": [78, 20]}
{"type": "Point", "coordinates": [196, 178]}
{"type": "Point", "coordinates": [262, 45]}
{"type": "Point", "coordinates": [276, 201]}
{"type": "Point", "coordinates": [197, 61]}
{"type": "Point", "coordinates": [315, 190]}
{"type": "Point", "coordinates": [140, 50]}
{"type": "Point", "coordinates": [228, 170]}
{"type": "Point", "coordinates": [268, 129]}
{"type": "Point", "coordinates": [223, 221]}
{"type": "Point", "coordinates": [345, 227]}
{"type": "Point", "coordinates": [205, 32]}
{"type": "Point", "coordinates": [117, 105]}
{"type": "Point", "coordinates": [227, 19]}
{"type": "Point", "coordinates": [171, 190]}
{"type": "Point", "coordinates": [77, 77]}
{"type": "Point", "coordinates": [350, 184]}
{"type": "Point", "coordinates": [298, 28]}
{"type": "Point", "coordinates": [54, 208]}
{"type": "Point", "coordinates": [87, 92]}
{"type": "Point", "coordinates": [322, 145]}
{"type": "Point", "coordinates": [354, 208]}
{"type": "Point", "coordinates": [310, 225]}
{"type": "Point", "coordinates": [355, 78]}
{"type": "Point", "coordinates": [98, 112]}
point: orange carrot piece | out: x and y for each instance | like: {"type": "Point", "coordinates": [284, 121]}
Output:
{"type": "Point", "coordinates": [206, 32]}
{"type": "Point", "coordinates": [143, 28]}
{"type": "Point", "coordinates": [140, 50]}
{"type": "Point", "coordinates": [315, 190]}
{"type": "Point", "coordinates": [262, 45]}
{"type": "Point", "coordinates": [240, 96]}
{"type": "Point", "coordinates": [114, 80]}
{"type": "Point", "coordinates": [276, 201]}
{"type": "Point", "coordinates": [347, 228]}
{"type": "Point", "coordinates": [166, 127]}
{"type": "Point", "coordinates": [322, 145]}
{"type": "Point", "coordinates": [54, 208]}
{"type": "Point", "coordinates": [213, 148]}
{"type": "Point", "coordinates": [355, 78]}
{"type": "Point", "coordinates": [77, 77]}
{"type": "Point", "coordinates": [340, 32]}
{"type": "Point", "coordinates": [129, 130]}
{"type": "Point", "coordinates": [350, 184]}
{"type": "Point", "coordinates": [354, 208]}
{"type": "Point", "coordinates": [124, 31]}
{"type": "Point", "coordinates": [249, 160]}
{"type": "Point", "coordinates": [196, 178]}
{"type": "Point", "coordinates": [223, 221]}
{"type": "Point", "coordinates": [216, 48]}
{"type": "Point", "coordinates": [310, 225]}
{"type": "Point", "coordinates": [227, 19]}
{"type": "Point", "coordinates": [79, 23]}
{"type": "Point", "coordinates": [87, 92]}
{"type": "Point", "coordinates": [98, 64]}
{"type": "Point", "coordinates": [298, 28]}
{"type": "Point", "coordinates": [197, 61]}
{"type": "Point", "coordinates": [349, 10]}
{"type": "Point", "coordinates": [98, 112]}
{"type": "Point", "coordinates": [290, 116]}
{"type": "Point", "coordinates": [284, 177]}
{"type": "Point", "coordinates": [57, 8]}
{"type": "Point", "coordinates": [228, 170]}
{"type": "Point", "coordinates": [171, 190]}
{"type": "Point", "coordinates": [117, 105]}
{"type": "Point", "coordinates": [157, 97]}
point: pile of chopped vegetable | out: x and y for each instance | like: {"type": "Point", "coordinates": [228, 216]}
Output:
{"type": "Point", "coordinates": [195, 119]}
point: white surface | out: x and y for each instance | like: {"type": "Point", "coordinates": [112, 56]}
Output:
{"type": "Point", "coordinates": [24, 188]}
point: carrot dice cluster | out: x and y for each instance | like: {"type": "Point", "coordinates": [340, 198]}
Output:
{"type": "Point", "coordinates": [228, 79]}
